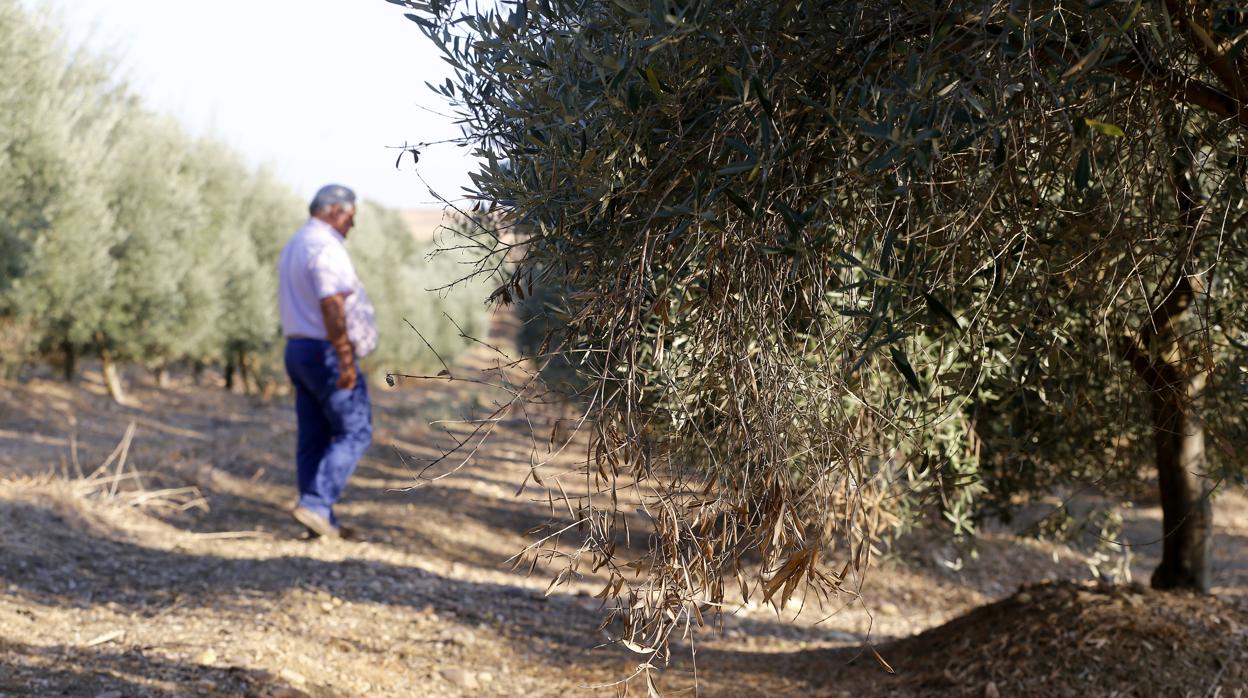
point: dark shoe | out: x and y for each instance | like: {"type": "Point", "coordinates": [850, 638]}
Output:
{"type": "Point", "coordinates": [314, 522]}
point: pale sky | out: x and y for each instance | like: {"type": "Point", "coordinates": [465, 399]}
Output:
{"type": "Point", "coordinates": [315, 88]}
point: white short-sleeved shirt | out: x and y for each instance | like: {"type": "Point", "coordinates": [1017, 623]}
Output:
{"type": "Point", "coordinates": [314, 264]}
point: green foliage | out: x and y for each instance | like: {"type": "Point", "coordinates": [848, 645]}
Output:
{"type": "Point", "coordinates": [57, 118]}
{"type": "Point", "coordinates": [158, 299]}
{"type": "Point", "coordinates": [837, 266]}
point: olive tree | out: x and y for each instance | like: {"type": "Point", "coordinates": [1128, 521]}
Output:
{"type": "Point", "coordinates": [155, 302]}
{"type": "Point", "coordinates": [831, 264]}
{"type": "Point", "coordinates": [58, 112]}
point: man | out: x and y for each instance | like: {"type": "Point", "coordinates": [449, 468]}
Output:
{"type": "Point", "coordinates": [328, 323]}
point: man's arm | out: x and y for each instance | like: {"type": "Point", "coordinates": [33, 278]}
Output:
{"type": "Point", "coordinates": [334, 313]}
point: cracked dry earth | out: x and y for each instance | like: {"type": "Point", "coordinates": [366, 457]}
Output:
{"type": "Point", "coordinates": [153, 589]}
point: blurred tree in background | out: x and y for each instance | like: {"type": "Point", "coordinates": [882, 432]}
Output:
{"type": "Point", "coordinates": [397, 270]}
{"type": "Point", "coordinates": [58, 113]}
{"type": "Point", "coordinates": [125, 238]}
{"type": "Point", "coordinates": [160, 215]}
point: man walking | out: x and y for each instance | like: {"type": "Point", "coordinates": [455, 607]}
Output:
{"type": "Point", "coordinates": [328, 323]}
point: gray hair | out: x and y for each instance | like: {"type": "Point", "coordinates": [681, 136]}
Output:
{"type": "Point", "coordinates": [329, 196]}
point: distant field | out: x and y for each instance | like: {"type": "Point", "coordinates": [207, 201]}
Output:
{"type": "Point", "coordinates": [424, 222]}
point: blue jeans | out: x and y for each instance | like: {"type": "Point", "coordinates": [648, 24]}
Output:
{"type": "Point", "coordinates": [335, 425]}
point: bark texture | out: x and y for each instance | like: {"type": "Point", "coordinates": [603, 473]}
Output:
{"type": "Point", "coordinates": [1174, 384]}
{"type": "Point", "coordinates": [1187, 514]}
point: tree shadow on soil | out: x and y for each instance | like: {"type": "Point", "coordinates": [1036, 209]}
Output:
{"type": "Point", "coordinates": [424, 516]}
{"type": "Point", "coordinates": [71, 562]}
{"type": "Point", "coordinates": [46, 670]}
{"type": "Point", "coordinates": [74, 564]}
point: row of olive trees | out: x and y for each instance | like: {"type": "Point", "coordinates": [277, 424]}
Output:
{"type": "Point", "coordinates": [123, 237]}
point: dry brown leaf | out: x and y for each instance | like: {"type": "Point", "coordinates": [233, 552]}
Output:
{"type": "Point", "coordinates": [651, 688]}
{"type": "Point", "coordinates": [880, 659]}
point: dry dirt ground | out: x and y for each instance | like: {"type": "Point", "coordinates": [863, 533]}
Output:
{"type": "Point", "coordinates": [177, 571]}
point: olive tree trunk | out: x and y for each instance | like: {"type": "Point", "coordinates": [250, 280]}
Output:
{"type": "Point", "coordinates": [1175, 383]}
{"type": "Point", "coordinates": [111, 379]}
{"type": "Point", "coordinates": [229, 374]}
{"type": "Point", "coordinates": [244, 372]}
{"type": "Point", "coordinates": [70, 365]}
{"type": "Point", "coordinates": [1187, 514]}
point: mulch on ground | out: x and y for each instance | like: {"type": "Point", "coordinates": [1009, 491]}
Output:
{"type": "Point", "coordinates": [1050, 639]}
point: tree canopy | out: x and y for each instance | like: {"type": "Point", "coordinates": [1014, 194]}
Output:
{"type": "Point", "coordinates": [830, 268]}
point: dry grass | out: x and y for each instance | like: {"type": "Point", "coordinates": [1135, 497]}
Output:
{"type": "Point", "coordinates": [124, 487]}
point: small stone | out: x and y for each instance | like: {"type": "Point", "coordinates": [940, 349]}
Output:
{"type": "Point", "coordinates": [889, 608]}
{"type": "Point", "coordinates": [459, 677]}
{"type": "Point", "coordinates": [1024, 597]}
{"type": "Point", "coordinates": [293, 676]}
{"type": "Point", "coordinates": [106, 637]}
{"type": "Point", "coordinates": [990, 690]}
{"type": "Point", "coordinates": [288, 692]}
{"type": "Point", "coordinates": [485, 677]}
{"type": "Point", "coordinates": [327, 607]}
{"type": "Point", "coordinates": [208, 656]}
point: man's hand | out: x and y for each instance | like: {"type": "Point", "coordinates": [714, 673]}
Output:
{"type": "Point", "coordinates": [347, 377]}
{"type": "Point", "coordinates": [334, 313]}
